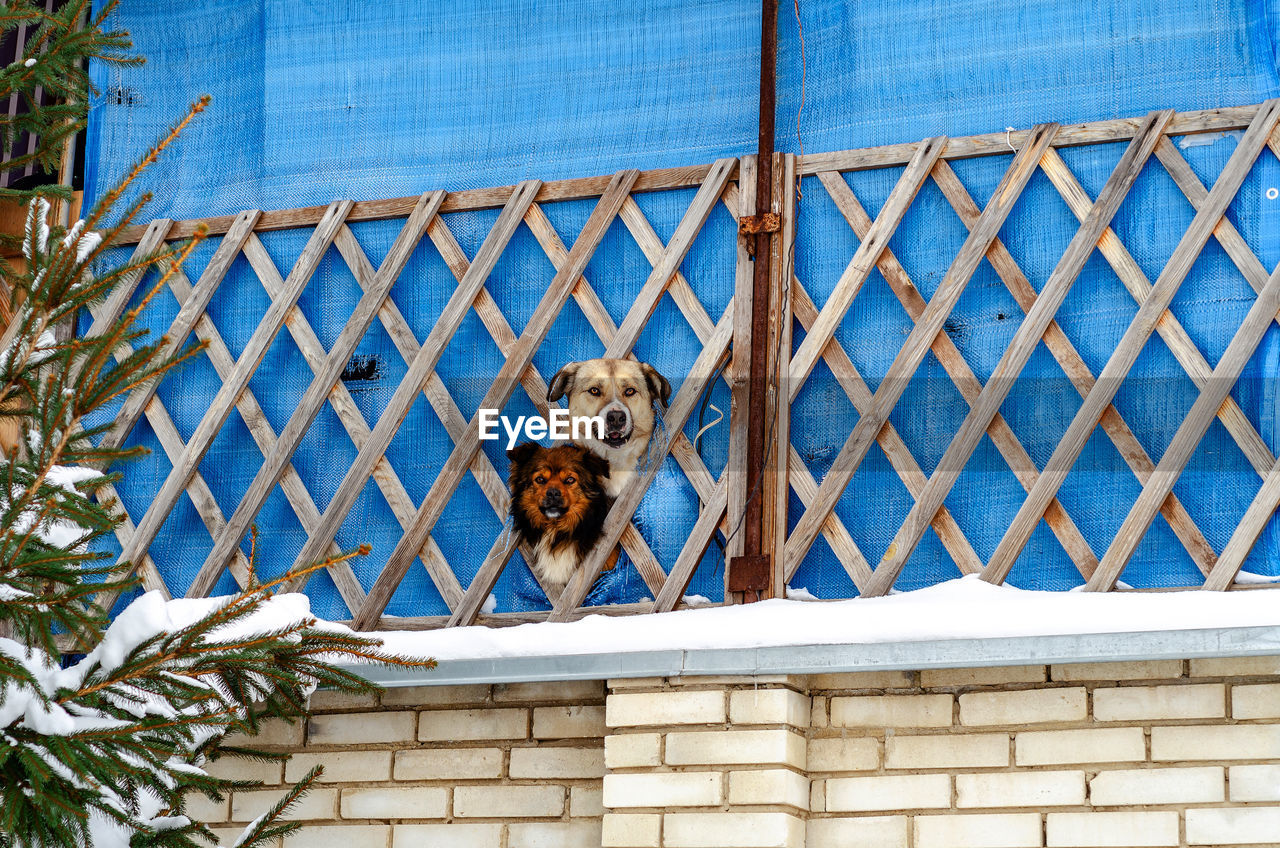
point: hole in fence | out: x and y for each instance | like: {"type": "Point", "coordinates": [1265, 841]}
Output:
{"type": "Point", "coordinates": [362, 372]}
{"type": "Point", "coordinates": [120, 95]}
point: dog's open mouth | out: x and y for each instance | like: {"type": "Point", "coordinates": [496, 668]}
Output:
{"type": "Point", "coordinates": [616, 440]}
{"type": "Point", "coordinates": [552, 512]}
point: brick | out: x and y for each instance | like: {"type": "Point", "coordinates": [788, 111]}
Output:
{"type": "Point", "coordinates": [1227, 742]}
{"type": "Point", "coordinates": [1063, 747]}
{"type": "Point", "coordinates": [341, 766]}
{"type": "Point", "coordinates": [633, 750]}
{"type": "Point", "coordinates": [635, 683]}
{"type": "Point", "coordinates": [1143, 670]}
{"type": "Point", "coordinates": [466, 725]}
{"type": "Point", "coordinates": [361, 728]}
{"type": "Point", "coordinates": [448, 764]}
{"type": "Point", "coordinates": [563, 691]}
{"type": "Point", "coordinates": [631, 830]}
{"type": "Point", "coordinates": [763, 747]}
{"type": "Point", "coordinates": [507, 801]}
{"type": "Point", "coordinates": [950, 751]}
{"type": "Point", "coordinates": [940, 678]}
{"type": "Point", "coordinates": [1099, 830]}
{"type": "Point", "coordinates": [769, 706]}
{"type": "Point", "coordinates": [452, 835]}
{"type": "Point", "coordinates": [586, 801]}
{"type": "Point", "coordinates": [864, 680]}
{"type": "Point", "coordinates": [836, 755]}
{"type": "Point", "coordinates": [1034, 706]}
{"type": "Point", "coordinates": [665, 789]}
{"type": "Point", "coordinates": [201, 808]}
{"type": "Point", "coordinates": [633, 709]}
{"type": "Point", "coordinates": [817, 796]}
{"type": "Point", "coordinates": [864, 832]}
{"type": "Point", "coordinates": [385, 802]}
{"type": "Point", "coordinates": [891, 711]}
{"type": "Point", "coordinates": [557, 762]}
{"type": "Point", "coordinates": [992, 830]}
{"type": "Point", "coordinates": [754, 681]}
{"type": "Point", "coordinates": [1156, 786]}
{"type": "Point", "coordinates": [1141, 703]}
{"type": "Point", "coordinates": [888, 792]}
{"type": "Point", "coordinates": [769, 786]}
{"type": "Point", "coordinates": [568, 722]}
{"type": "Point", "coordinates": [818, 712]}
{"type": "Point", "coordinates": [340, 836]}
{"type": "Point", "coordinates": [1020, 789]}
{"type": "Point", "coordinates": [553, 835]}
{"type": "Point", "coordinates": [1254, 783]}
{"type": "Point", "coordinates": [1236, 667]}
{"type": "Point", "coordinates": [272, 733]}
{"type": "Point", "coordinates": [1240, 826]}
{"type": "Point", "coordinates": [318, 804]}
{"type": "Point", "coordinates": [238, 768]}
{"type": "Point", "coordinates": [732, 830]}
{"type": "Point", "coordinates": [327, 700]}
{"type": "Point", "coordinates": [1258, 701]}
{"type": "Point", "coordinates": [435, 696]}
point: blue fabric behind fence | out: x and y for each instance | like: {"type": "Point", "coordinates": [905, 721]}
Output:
{"type": "Point", "coordinates": [317, 101]}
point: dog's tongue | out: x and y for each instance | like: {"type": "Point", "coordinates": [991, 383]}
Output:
{"type": "Point", "coordinates": [614, 440]}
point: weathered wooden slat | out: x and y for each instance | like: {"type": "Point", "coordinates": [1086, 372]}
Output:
{"type": "Point", "coordinates": [625, 506]}
{"type": "Point", "coordinates": [1187, 438]}
{"type": "Point", "coordinates": [1131, 344]}
{"type": "Point", "coordinates": [738, 371]}
{"type": "Point", "coordinates": [895, 450]}
{"type": "Point", "coordinates": [1255, 519]}
{"type": "Point", "coordinates": [864, 260]}
{"type": "Point", "coordinates": [694, 548]}
{"type": "Point", "coordinates": [1184, 350]}
{"type": "Point", "coordinates": [994, 144]}
{"type": "Point", "coordinates": [1021, 346]}
{"type": "Point", "coordinates": [113, 307]}
{"type": "Point", "coordinates": [969, 386]}
{"type": "Point", "coordinates": [681, 240]}
{"type": "Point", "coordinates": [180, 328]}
{"type": "Point", "coordinates": [1073, 365]}
{"type": "Point", "coordinates": [918, 342]}
{"type": "Point", "coordinates": [291, 484]}
{"type": "Point", "coordinates": [517, 362]}
{"type": "Point", "coordinates": [990, 144]}
{"type": "Point", "coordinates": [322, 385]}
{"type": "Point", "coordinates": [202, 437]}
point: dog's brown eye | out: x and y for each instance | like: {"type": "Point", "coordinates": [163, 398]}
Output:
{"type": "Point", "coordinates": [629, 392]}
{"type": "Point", "coordinates": [569, 481]}
{"type": "Point", "coordinates": [593, 390]}
{"type": "Point", "coordinates": [539, 480]}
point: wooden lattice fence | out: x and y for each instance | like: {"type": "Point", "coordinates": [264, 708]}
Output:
{"type": "Point", "coordinates": [729, 183]}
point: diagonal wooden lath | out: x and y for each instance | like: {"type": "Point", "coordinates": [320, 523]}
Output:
{"type": "Point", "coordinates": [503, 387]}
{"type": "Point", "coordinates": [204, 433]}
{"type": "Point", "coordinates": [1018, 352]}
{"type": "Point", "coordinates": [1131, 344]}
{"type": "Point", "coordinates": [919, 341]}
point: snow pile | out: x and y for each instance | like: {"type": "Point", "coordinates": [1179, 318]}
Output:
{"type": "Point", "coordinates": [964, 608]}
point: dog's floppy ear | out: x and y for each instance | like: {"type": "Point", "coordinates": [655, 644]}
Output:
{"type": "Point", "coordinates": [520, 454]}
{"type": "Point", "coordinates": [658, 385]}
{"type": "Point", "coordinates": [562, 382]}
{"type": "Point", "coordinates": [597, 465]}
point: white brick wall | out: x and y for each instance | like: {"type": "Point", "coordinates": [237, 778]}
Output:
{"type": "Point", "coordinates": [1154, 703]}
{"type": "Point", "coordinates": [994, 830]}
{"type": "Point", "coordinates": [1103, 830]}
{"type": "Point", "coordinates": [664, 789]}
{"type": "Point", "coordinates": [1255, 783]}
{"type": "Point", "coordinates": [889, 792]}
{"type": "Point", "coordinates": [732, 830]}
{"type": "Point", "coordinates": [508, 801]}
{"type": "Point", "coordinates": [655, 708]}
{"type": "Point", "coordinates": [1033, 706]}
{"type": "Point", "coordinates": [985, 750]}
{"type": "Point", "coordinates": [763, 747]}
{"type": "Point", "coordinates": [870, 831]}
{"type": "Point", "coordinates": [1063, 747]}
{"type": "Point", "coordinates": [1240, 826]}
{"type": "Point", "coordinates": [1020, 789]}
{"type": "Point", "coordinates": [1157, 786]}
{"type": "Point", "coordinates": [891, 711]}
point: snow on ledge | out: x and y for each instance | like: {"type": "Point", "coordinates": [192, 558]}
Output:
{"type": "Point", "coordinates": [960, 622]}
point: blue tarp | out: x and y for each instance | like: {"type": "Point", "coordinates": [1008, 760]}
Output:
{"type": "Point", "coordinates": [317, 101]}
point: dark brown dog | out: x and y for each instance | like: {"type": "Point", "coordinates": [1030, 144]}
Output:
{"type": "Point", "coordinates": [558, 506]}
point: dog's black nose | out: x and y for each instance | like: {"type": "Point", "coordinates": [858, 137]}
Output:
{"type": "Point", "coordinates": [553, 496]}
{"type": "Point", "coordinates": [615, 420]}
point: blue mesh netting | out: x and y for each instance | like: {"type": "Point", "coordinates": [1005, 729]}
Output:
{"type": "Point", "coordinates": [320, 101]}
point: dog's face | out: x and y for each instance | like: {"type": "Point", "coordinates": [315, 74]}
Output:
{"type": "Point", "coordinates": [554, 488]}
{"type": "Point", "coordinates": [620, 391]}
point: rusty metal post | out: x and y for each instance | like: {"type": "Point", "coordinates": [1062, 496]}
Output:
{"type": "Point", "coordinates": [751, 573]}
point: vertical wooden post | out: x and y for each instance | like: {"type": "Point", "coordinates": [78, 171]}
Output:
{"type": "Point", "coordinates": [751, 572]}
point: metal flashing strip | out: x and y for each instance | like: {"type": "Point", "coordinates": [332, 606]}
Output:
{"type": "Point", "coordinates": [824, 659]}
